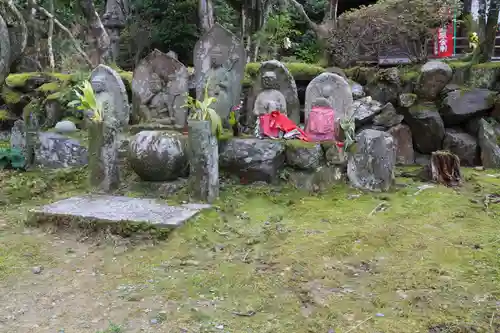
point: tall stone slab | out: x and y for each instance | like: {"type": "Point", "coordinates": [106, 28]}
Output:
{"type": "Point", "coordinates": [5, 50]}
{"type": "Point", "coordinates": [335, 90]}
{"type": "Point", "coordinates": [104, 136]}
{"type": "Point", "coordinates": [285, 84]}
{"type": "Point", "coordinates": [159, 90]}
{"type": "Point", "coordinates": [220, 58]}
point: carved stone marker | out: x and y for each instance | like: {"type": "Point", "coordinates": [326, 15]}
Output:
{"type": "Point", "coordinates": [4, 50]}
{"type": "Point", "coordinates": [283, 82]}
{"type": "Point", "coordinates": [104, 140]}
{"type": "Point", "coordinates": [332, 88]}
{"type": "Point", "coordinates": [159, 89]}
{"type": "Point", "coordinates": [203, 155]}
{"type": "Point", "coordinates": [220, 58]}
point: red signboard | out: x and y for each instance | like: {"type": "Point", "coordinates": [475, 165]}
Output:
{"type": "Point", "coordinates": [443, 46]}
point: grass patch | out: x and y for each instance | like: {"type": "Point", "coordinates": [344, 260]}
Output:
{"type": "Point", "coordinates": [274, 259]}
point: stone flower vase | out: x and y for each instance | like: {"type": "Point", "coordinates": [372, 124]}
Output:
{"type": "Point", "coordinates": [203, 154]}
{"type": "Point", "coordinates": [103, 156]}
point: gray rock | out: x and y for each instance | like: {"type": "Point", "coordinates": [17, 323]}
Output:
{"type": "Point", "coordinates": [37, 269]}
{"type": "Point", "coordinates": [172, 54]}
{"type": "Point", "coordinates": [365, 109]}
{"type": "Point", "coordinates": [285, 84]}
{"type": "Point", "coordinates": [203, 161]}
{"type": "Point", "coordinates": [57, 151]}
{"type": "Point", "coordinates": [371, 166]}
{"type": "Point", "coordinates": [4, 136]}
{"type": "Point", "coordinates": [5, 50]}
{"type": "Point", "coordinates": [460, 106]}
{"type": "Point", "coordinates": [159, 89]}
{"type": "Point", "coordinates": [158, 156]}
{"type": "Point", "coordinates": [370, 126]}
{"type": "Point", "coordinates": [388, 117]}
{"type": "Point", "coordinates": [18, 135]}
{"type": "Point", "coordinates": [434, 76]}
{"type": "Point", "coordinates": [407, 99]}
{"type": "Point", "coordinates": [488, 142]}
{"type": "Point", "coordinates": [53, 111]}
{"type": "Point", "coordinates": [107, 209]}
{"type": "Point", "coordinates": [357, 90]}
{"type": "Point", "coordinates": [220, 56]}
{"type": "Point", "coordinates": [426, 126]}
{"type": "Point", "coordinates": [65, 126]}
{"type": "Point", "coordinates": [335, 89]}
{"type": "Point", "coordinates": [304, 156]}
{"type": "Point", "coordinates": [253, 159]}
{"type": "Point", "coordinates": [405, 155]}
{"type": "Point", "coordinates": [422, 159]}
{"type": "Point", "coordinates": [319, 180]}
{"type": "Point", "coordinates": [463, 145]}
{"type": "Point", "coordinates": [335, 155]}
{"type": "Point", "coordinates": [472, 126]}
{"type": "Point", "coordinates": [110, 91]}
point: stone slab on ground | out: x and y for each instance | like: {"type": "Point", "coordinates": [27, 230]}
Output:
{"type": "Point", "coordinates": [107, 208]}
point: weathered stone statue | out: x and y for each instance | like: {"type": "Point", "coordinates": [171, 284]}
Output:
{"type": "Point", "coordinates": [159, 88]}
{"type": "Point", "coordinates": [220, 59]}
{"type": "Point", "coordinates": [4, 50]}
{"type": "Point", "coordinates": [114, 20]}
{"type": "Point", "coordinates": [270, 98]}
{"type": "Point", "coordinates": [274, 74]}
{"type": "Point", "coordinates": [329, 89]}
{"type": "Point", "coordinates": [104, 136]}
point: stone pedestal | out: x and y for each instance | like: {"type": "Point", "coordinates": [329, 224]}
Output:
{"type": "Point", "coordinates": [203, 152]}
{"type": "Point", "coordinates": [103, 156]}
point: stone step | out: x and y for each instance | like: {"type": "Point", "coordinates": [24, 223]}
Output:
{"type": "Point", "coordinates": [116, 214]}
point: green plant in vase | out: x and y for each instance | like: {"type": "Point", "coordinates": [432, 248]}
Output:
{"type": "Point", "coordinates": [201, 110]}
{"type": "Point", "coordinates": [86, 102]}
{"type": "Point", "coordinates": [349, 130]}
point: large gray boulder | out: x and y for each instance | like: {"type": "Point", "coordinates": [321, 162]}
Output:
{"type": "Point", "coordinates": [434, 76]}
{"type": "Point", "coordinates": [158, 156]}
{"type": "Point", "coordinates": [371, 166]}
{"type": "Point", "coordinates": [463, 145]}
{"type": "Point", "coordinates": [357, 90]}
{"type": "Point", "coordinates": [56, 151]}
{"type": "Point", "coordinates": [426, 126]}
{"type": "Point", "coordinates": [365, 109]}
{"type": "Point", "coordinates": [388, 117]}
{"type": "Point", "coordinates": [405, 155]}
{"type": "Point", "coordinates": [252, 159]}
{"type": "Point", "coordinates": [304, 156]}
{"type": "Point", "coordinates": [488, 142]}
{"type": "Point", "coordinates": [459, 106]}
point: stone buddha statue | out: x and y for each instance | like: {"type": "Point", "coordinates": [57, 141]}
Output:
{"type": "Point", "coordinates": [219, 81]}
{"type": "Point", "coordinates": [270, 98]}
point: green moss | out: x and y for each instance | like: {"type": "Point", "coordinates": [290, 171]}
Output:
{"type": "Point", "coordinates": [410, 76]}
{"type": "Point", "coordinates": [488, 65]}
{"type": "Point", "coordinates": [10, 96]}
{"type": "Point", "coordinates": [18, 80]}
{"type": "Point", "coordinates": [34, 106]}
{"type": "Point", "coordinates": [456, 64]}
{"type": "Point", "coordinates": [49, 87]}
{"type": "Point", "coordinates": [4, 115]}
{"type": "Point", "coordinates": [126, 76]}
{"type": "Point", "coordinates": [299, 144]}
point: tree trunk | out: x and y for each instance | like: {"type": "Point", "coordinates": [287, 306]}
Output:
{"type": "Point", "coordinates": [445, 168]}
{"type": "Point", "coordinates": [206, 14]}
{"type": "Point", "coordinates": [99, 36]}
{"type": "Point", "coordinates": [50, 35]}
{"type": "Point", "coordinates": [487, 46]}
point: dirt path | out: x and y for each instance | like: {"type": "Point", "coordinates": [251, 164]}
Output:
{"type": "Point", "coordinates": [70, 294]}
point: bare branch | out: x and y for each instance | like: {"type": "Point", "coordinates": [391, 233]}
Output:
{"type": "Point", "coordinates": [314, 26]}
{"type": "Point", "coordinates": [66, 30]}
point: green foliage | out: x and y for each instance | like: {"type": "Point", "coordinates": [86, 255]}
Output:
{"type": "Point", "coordinates": [86, 101]}
{"type": "Point", "coordinates": [349, 128]}
{"type": "Point", "coordinates": [113, 328]}
{"type": "Point", "coordinates": [307, 48]}
{"type": "Point", "coordinates": [201, 110]}
{"type": "Point", "coordinates": [274, 36]}
{"type": "Point", "coordinates": [11, 158]}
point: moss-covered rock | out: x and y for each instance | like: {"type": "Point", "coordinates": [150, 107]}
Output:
{"type": "Point", "coordinates": [484, 75]}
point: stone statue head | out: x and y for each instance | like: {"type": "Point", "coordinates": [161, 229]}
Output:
{"type": "Point", "coordinates": [327, 90]}
{"type": "Point", "coordinates": [269, 80]}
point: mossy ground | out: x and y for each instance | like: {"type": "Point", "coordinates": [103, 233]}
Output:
{"type": "Point", "coordinates": [268, 259]}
